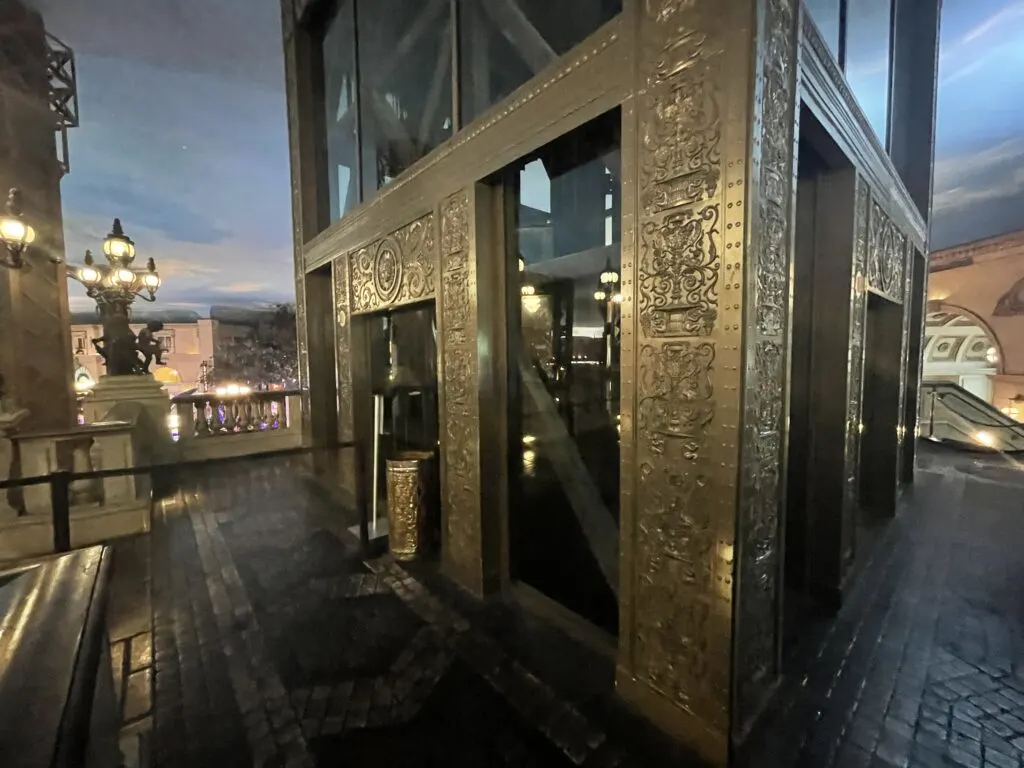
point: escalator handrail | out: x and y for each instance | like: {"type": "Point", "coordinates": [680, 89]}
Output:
{"type": "Point", "coordinates": [993, 425]}
{"type": "Point", "coordinates": [972, 400]}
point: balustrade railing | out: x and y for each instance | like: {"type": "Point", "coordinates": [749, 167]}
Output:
{"type": "Point", "coordinates": [205, 415]}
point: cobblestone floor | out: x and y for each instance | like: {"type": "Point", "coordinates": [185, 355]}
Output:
{"type": "Point", "coordinates": [271, 641]}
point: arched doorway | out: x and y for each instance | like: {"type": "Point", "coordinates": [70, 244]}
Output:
{"type": "Point", "coordinates": [960, 348]}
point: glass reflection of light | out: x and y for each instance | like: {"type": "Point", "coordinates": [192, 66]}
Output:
{"type": "Point", "coordinates": [529, 461]}
{"type": "Point", "coordinates": [174, 423]}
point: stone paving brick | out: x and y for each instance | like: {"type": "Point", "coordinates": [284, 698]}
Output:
{"type": "Point", "coordinates": [275, 643]}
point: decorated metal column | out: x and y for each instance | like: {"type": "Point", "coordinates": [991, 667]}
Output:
{"type": "Point", "coordinates": [708, 167]}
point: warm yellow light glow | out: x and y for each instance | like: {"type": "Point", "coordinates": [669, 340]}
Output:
{"type": "Point", "coordinates": [522, 264]}
{"type": "Point", "coordinates": [528, 290]}
{"type": "Point", "coordinates": [89, 275]}
{"type": "Point", "coordinates": [617, 298]}
{"type": "Point", "coordinates": [529, 439]}
{"type": "Point", "coordinates": [985, 438]}
{"type": "Point", "coordinates": [125, 277]}
{"type": "Point", "coordinates": [531, 304]}
{"type": "Point", "coordinates": [991, 356]}
{"type": "Point", "coordinates": [600, 295]}
{"type": "Point", "coordinates": [12, 230]}
{"type": "Point", "coordinates": [220, 391]}
{"type": "Point", "coordinates": [118, 248]}
{"type": "Point", "coordinates": [151, 280]}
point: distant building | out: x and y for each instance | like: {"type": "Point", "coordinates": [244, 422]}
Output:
{"type": "Point", "coordinates": [188, 341]}
{"type": "Point", "coordinates": [186, 337]}
{"type": "Point", "coordinates": [974, 335]}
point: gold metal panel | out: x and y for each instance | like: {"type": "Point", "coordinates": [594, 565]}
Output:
{"type": "Point", "coordinates": [700, 265]}
{"type": "Point", "coordinates": [396, 269]}
{"type": "Point", "coordinates": [906, 256]}
{"type": "Point", "coordinates": [343, 359]}
{"type": "Point", "coordinates": [887, 255]}
{"type": "Point", "coordinates": [855, 369]}
{"type": "Point", "coordinates": [460, 406]}
{"type": "Point", "coordinates": [766, 351]}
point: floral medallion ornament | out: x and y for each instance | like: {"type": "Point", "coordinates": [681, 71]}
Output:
{"type": "Point", "coordinates": [387, 270]}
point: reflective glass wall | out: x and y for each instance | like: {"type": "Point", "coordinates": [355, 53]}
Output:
{"type": "Point", "coordinates": [564, 404]}
{"type": "Point", "coordinates": [388, 92]}
{"type": "Point", "coordinates": [859, 34]}
{"type": "Point", "coordinates": [504, 43]}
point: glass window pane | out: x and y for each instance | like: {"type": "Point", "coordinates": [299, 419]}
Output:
{"type": "Point", "coordinates": [338, 49]}
{"type": "Point", "coordinates": [564, 331]}
{"type": "Point", "coordinates": [405, 84]}
{"type": "Point", "coordinates": [504, 43]}
{"type": "Point", "coordinates": [825, 14]}
{"type": "Point", "coordinates": [868, 59]}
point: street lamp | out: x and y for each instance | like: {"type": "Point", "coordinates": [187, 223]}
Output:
{"type": "Point", "coordinates": [15, 233]}
{"type": "Point", "coordinates": [114, 286]}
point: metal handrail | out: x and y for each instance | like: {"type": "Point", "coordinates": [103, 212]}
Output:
{"type": "Point", "coordinates": [61, 479]}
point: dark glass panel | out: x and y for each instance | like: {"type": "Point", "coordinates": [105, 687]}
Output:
{"type": "Point", "coordinates": [564, 339]}
{"type": "Point", "coordinates": [405, 59]}
{"type": "Point", "coordinates": [504, 43]}
{"type": "Point", "coordinates": [339, 67]}
{"type": "Point", "coordinates": [825, 14]}
{"type": "Point", "coordinates": [869, 59]}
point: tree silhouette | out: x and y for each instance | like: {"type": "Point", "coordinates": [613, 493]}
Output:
{"type": "Point", "coordinates": [266, 356]}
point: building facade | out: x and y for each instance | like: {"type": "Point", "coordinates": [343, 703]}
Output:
{"type": "Point", "coordinates": [662, 264]}
{"type": "Point", "coordinates": [38, 104]}
{"type": "Point", "coordinates": [974, 335]}
{"type": "Point", "coordinates": [187, 340]}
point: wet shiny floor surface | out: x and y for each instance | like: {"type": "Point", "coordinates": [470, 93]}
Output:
{"type": "Point", "coordinates": [248, 629]}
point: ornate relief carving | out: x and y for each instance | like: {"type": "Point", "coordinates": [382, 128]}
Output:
{"type": "Point", "coordinates": [675, 541]}
{"type": "Point", "coordinates": [343, 359]}
{"type": "Point", "coordinates": [855, 373]}
{"type": "Point", "coordinates": [397, 269]}
{"type": "Point", "coordinates": [887, 254]}
{"type": "Point", "coordinates": [905, 293]}
{"type": "Point", "coordinates": [678, 274]}
{"type": "Point", "coordinates": [679, 613]}
{"type": "Point", "coordinates": [758, 566]}
{"type": "Point", "coordinates": [460, 454]}
{"type": "Point", "coordinates": [302, 343]}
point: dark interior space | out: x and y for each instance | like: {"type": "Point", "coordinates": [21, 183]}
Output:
{"type": "Point", "coordinates": [879, 450]}
{"type": "Point", "coordinates": [403, 378]}
{"type": "Point", "coordinates": [815, 473]}
{"type": "Point", "coordinates": [564, 384]}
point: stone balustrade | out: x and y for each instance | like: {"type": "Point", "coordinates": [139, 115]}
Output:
{"type": "Point", "coordinates": [212, 425]}
{"type": "Point", "coordinates": [100, 508]}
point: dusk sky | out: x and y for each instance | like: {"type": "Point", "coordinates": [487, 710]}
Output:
{"type": "Point", "coordinates": [183, 136]}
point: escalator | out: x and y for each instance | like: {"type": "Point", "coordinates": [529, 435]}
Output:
{"type": "Point", "coordinates": [952, 415]}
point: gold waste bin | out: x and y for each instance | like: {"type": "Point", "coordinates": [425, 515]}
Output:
{"type": "Point", "coordinates": [410, 482]}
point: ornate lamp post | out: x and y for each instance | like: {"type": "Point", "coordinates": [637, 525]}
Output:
{"type": "Point", "coordinates": [114, 286]}
{"type": "Point", "coordinates": [609, 298]}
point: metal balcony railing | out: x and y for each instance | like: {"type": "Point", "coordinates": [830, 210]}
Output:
{"type": "Point", "coordinates": [160, 477]}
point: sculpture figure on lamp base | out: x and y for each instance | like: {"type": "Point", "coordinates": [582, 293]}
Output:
{"type": "Point", "coordinates": [123, 353]}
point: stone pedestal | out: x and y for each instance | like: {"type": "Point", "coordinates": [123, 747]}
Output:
{"type": "Point", "coordinates": [9, 420]}
{"type": "Point", "coordinates": [135, 398]}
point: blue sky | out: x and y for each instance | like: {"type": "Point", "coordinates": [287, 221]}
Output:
{"type": "Point", "coordinates": [183, 136]}
{"type": "Point", "coordinates": [979, 164]}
